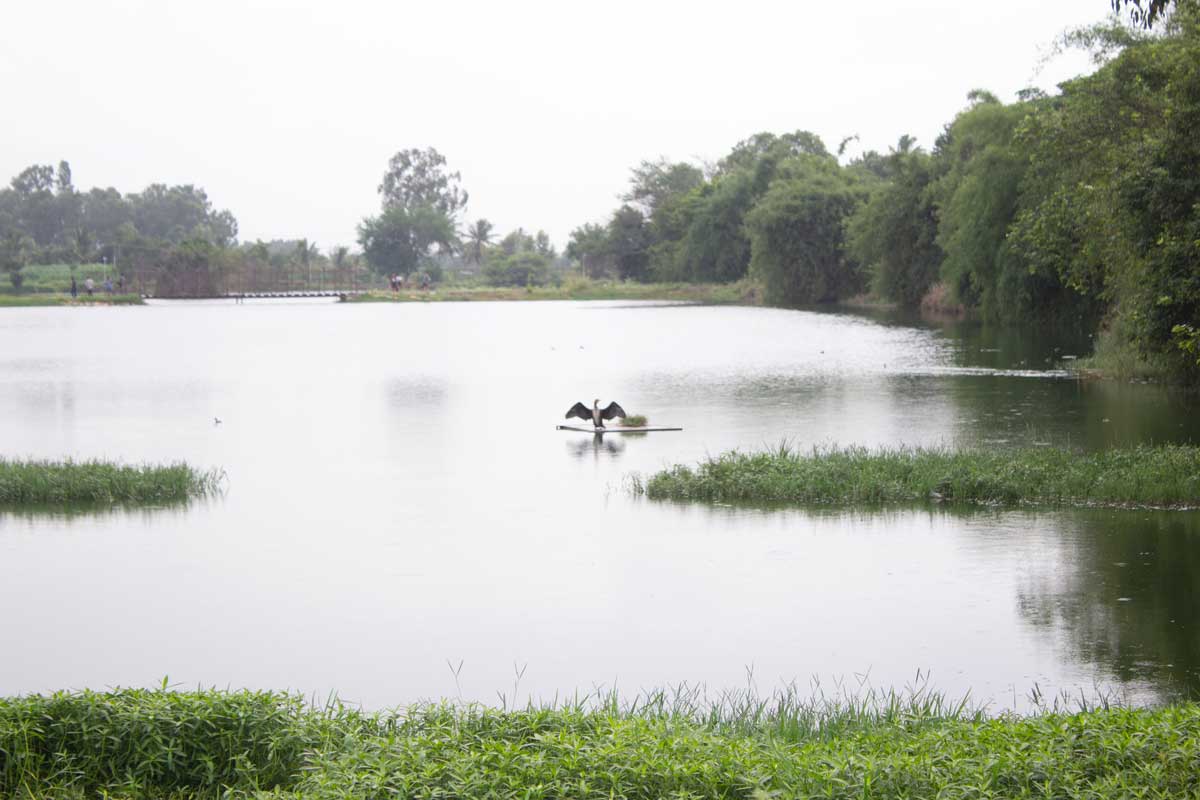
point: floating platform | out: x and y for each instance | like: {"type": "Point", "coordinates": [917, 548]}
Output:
{"type": "Point", "coordinates": [613, 429]}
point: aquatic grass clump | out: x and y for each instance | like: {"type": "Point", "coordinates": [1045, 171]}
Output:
{"type": "Point", "coordinates": [1166, 476]}
{"type": "Point", "coordinates": [31, 483]}
{"type": "Point", "coordinates": [634, 421]}
{"type": "Point", "coordinates": [143, 744]}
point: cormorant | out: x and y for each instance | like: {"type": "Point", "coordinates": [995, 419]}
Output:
{"type": "Point", "coordinates": [596, 415]}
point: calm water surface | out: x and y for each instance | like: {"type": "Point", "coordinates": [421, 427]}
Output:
{"type": "Point", "coordinates": [398, 498]}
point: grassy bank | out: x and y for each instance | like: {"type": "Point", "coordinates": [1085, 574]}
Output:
{"type": "Point", "coordinates": [36, 483]}
{"type": "Point", "coordinates": [1165, 476]}
{"type": "Point", "coordinates": [715, 293]}
{"type": "Point", "coordinates": [142, 744]}
{"type": "Point", "coordinates": [26, 300]}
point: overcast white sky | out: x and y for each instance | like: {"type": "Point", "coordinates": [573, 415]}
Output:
{"type": "Point", "coordinates": [287, 113]}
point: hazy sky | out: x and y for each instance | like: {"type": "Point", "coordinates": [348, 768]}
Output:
{"type": "Point", "coordinates": [287, 113]}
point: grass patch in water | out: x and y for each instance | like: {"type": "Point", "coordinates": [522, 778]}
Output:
{"type": "Point", "coordinates": [634, 421]}
{"type": "Point", "coordinates": [1166, 476]}
{"type": "Point", "coordinates": [143, 744]}
{"type": "Point", "coordinates": [40, 483]}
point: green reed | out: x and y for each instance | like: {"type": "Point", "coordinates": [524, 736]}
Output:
{"type": "Point", "coordinates": [142, 744]}
{"type": "Point", "coordinates": [1158, 476]}
{"type": "Point", "coordinates": [31, 483]}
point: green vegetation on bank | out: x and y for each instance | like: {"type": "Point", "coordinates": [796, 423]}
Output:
{"type": "Point", "coordinates": [144, 744]}
{"type": "Point", "coordinates": [1163, 476]}
{"type": "Point", "coordinates": [37, 483]}
{"type": "Point", "coordinates": [574, 289]}
{"type": "Point", "coordinates": [1081, 205]}
{"type": "Point", "coordinates": [99, 299]}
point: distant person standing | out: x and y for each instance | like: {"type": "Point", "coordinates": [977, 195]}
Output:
{"type": "Point", "coordinates": [121, 284]}
{"type": "Point", "coordinates": [108, 287]}
{"type": "Point", "coordinates": [90, 286]}
{"type": "Point", "coordinates": [74, 288]}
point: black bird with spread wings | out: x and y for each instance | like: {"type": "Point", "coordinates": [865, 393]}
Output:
{"type": "Point", "coordinates": [596, 415]}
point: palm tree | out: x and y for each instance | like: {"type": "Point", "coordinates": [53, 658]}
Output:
{"type": "Point", "coordinates": [338, 256]}
{"type": "Point", "coordinates": [479, 235]}
{"type": "Point", "coordinates": [306, 251]}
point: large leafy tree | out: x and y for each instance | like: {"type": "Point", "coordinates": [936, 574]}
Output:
{"type": "Point", "coordinates": [400, 239]}
{"type": "Point", "coordinates": [655, 183]}
{"type": "Point", "coordinates": [978, 196]}
{"type": "Point", "coordinates": [629, 243]}
{"type": "Point", "coordinates": [797, 233]}
{"type": "Point", "coordinates": [895, 233]}
{"type": "Point", "coordinates": [588, 246]}
{"type": "Point", "coordinates": [15, 248]}
{"type": "Point", "coordinates": [417, 177]}
{"type": "Point", "coordinates": [421, 199]}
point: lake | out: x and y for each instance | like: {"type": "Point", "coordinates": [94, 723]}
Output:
{"type": "Point", "coordinates": [402, 520]}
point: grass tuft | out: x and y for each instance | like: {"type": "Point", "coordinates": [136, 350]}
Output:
{"type": "Point", "coordinates": [1165, 476]}
{"type": "Point", "coordinates": [634, 421]}
{"type": "Point", "coordinates": [33, 483]}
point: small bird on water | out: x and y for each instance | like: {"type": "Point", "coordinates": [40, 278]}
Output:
{"type": "Point", "coordinates": [216, 420]}
{"type": "Point", "coordinates": [596, 415]}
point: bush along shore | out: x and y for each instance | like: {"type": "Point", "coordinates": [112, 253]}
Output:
{"type": "Point", "coordinates": [160, 743]}
{"type": "Point", "coordinates": [1165, 476]}
{"type": "Point", "coordinates": [34, 483]}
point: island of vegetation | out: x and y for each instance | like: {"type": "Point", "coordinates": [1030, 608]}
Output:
{"type": "Point", "coordinates": [52, 483]}
{"type": "Point", "coordinates": [1166, 476]}
{"type": "Point", "coordinates": [207, 744]}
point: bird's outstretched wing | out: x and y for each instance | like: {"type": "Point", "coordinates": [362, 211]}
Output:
{"type": "Point", "coordinates": [612, 411]}
{"type": "Point", "coordinates": [581, 411]}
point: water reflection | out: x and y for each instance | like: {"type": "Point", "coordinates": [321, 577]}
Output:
{"type": "Point", "coordinates": [1124, 592]}
{"type": "Point", "coordinates": [597, 445]}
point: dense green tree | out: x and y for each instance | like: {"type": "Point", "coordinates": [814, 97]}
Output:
{"type": "Point", "coordinates": [978, 197]}
{"type": "Point", "coordinates": [797, 233]}
{"type": "Point", "coordinates": [588, 246]}
{"type": "Point", "coordinates": [419, 178]}
{"type": "Point", "coordinates": [1163, 203]}
{"type": "Point", "coordinates": [747, 153]}
{"type": "Point", "coordinates": [14, 255]}
{"type": "Point", "coordinates": [401, 240]}
{"type": "Point", "coordinates": [524, 267]}
{"type": "Point", "coordinates": [629, 243]}
{"type": "Point", "coordinates": [894, 234]}
{"type": "Point", "coordinates": [103, 212]}
{"type": "Point", "coordinates": [655, 183]}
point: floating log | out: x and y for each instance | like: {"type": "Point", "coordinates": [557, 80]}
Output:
{"type": "Point", "coordinates": [613, 429]}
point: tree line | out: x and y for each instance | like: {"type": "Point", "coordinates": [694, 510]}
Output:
{"type": "Point", "coordinates": [1082, 206]}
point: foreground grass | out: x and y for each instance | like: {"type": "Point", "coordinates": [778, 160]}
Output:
{"type": "Point", "coordinates": [142, 744]}
{"type": "Point", "coordinates": [35, 483]}
{"type": "Point", "coordinates": [1165, 476]}
{"type": "Point", "coordinates": [98, 299]}
{"type": "Point", "coordinates": [714, 293]}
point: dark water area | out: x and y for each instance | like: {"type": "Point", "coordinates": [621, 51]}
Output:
{"type": "Point", "coordinates": [399, 501]}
